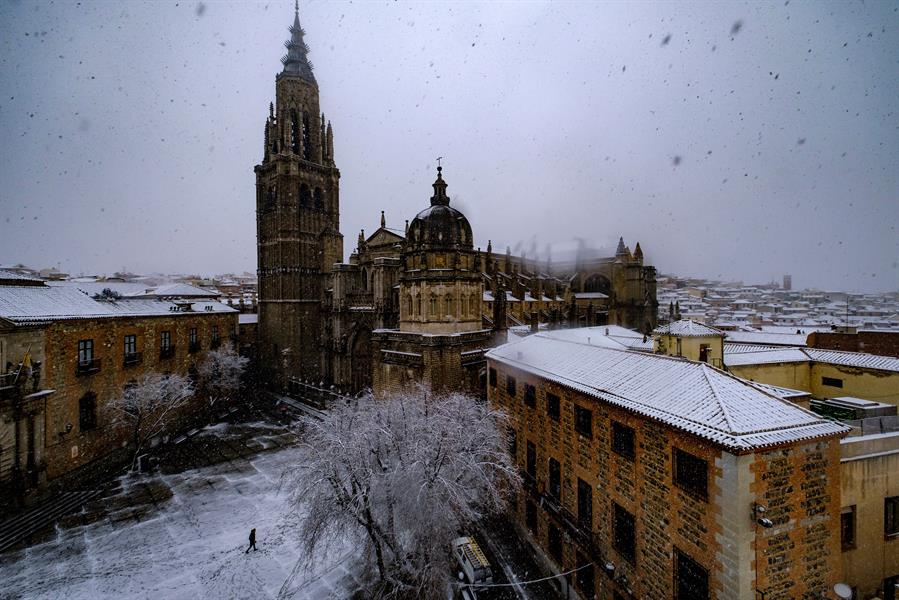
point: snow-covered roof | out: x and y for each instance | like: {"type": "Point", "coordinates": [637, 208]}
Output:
{"type": "Point", "coordinates": [590, 296]}
{"type": "Point", "coordinates": [688, 328]}
{"type": "Point", "coordinates": [767, 338]}
{"type": "Point", "coordinates": [861, 360]}
{"type": "Point", "coordinates": [607, 336]}
{"type": "Point", "coordinates": [690, 396]}
{"type": "Point", "coordinates": [13, 276]}
{"type": "Point", "coordinates": [35, 304]}
{"type": "Point", "coordinates": [786, 393]}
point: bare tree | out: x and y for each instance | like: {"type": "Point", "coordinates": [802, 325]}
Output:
{"type": "Point", "coordinates": [148, 406]}
{"type": "Point", "coordinates": [220, 374]}
{"type": "Point", "coordinates": [400, 477]}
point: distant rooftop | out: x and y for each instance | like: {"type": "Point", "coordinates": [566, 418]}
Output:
{"type": "Point", "coordinates": [688, 328]}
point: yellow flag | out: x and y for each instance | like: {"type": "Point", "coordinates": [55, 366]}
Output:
{"type": "Point", "coordinates": [26, 362]}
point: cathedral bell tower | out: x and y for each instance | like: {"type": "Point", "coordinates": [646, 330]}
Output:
{"type": "Point", "coordinates": [297, 220]}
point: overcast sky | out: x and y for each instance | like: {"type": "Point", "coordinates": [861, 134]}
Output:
{"type": "Point", "coordinates": [736, 141]}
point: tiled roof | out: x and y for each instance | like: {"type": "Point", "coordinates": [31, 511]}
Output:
{"type": "Point", "coordinates": [36, 304]}
{"type": "Point", "coordinates": [687, 395]}
{"type": "Point", "coordinates": [688, 328]}
{"type": "Point", "coordinates": [860, 360]}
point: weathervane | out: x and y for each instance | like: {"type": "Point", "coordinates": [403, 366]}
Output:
{"type": "Point", "coordinates": [439, 158]}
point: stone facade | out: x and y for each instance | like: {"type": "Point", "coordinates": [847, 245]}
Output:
{"type": "Point", "coordinates": [799, 485]}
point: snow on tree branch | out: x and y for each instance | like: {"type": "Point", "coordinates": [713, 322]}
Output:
{"type": "Point", "coordinates": [220, 373]}
{"type": "Point", "coordinates": [148, 406]}
{"type": "Point", "coordinates": [401, 477]}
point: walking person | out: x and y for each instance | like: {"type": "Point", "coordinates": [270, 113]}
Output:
{"type": "Point", "coordinates": [252, 541]}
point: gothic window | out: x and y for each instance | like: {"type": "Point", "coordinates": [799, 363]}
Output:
{"type": "Point", "coordinates": [319, 199]}
{"type": "Point", "coordinates": [433, 305]}
{"type": "Point", "coordinates": [449, 304]}
{"type": "Point", "coordinates": [418, 305]}
{"type": "Point", "coordinates": [307, 142]}
{"type": "Point", "coordinates": [409, 304]}
{"type": "Point", "coordinates": [305, 195]}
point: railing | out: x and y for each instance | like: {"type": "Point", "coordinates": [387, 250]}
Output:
{"type": "Point", "coordinates": [88, 367]}
{"type": "Point", "coordinates": [193, 347]}
{"type": "Point", "coordinates": [166, 352]}
{"type": "Point", "coordinates": [133, 358]}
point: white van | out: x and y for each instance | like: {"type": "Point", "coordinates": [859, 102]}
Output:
{"type": "Point", "coordinates": [475, 566]}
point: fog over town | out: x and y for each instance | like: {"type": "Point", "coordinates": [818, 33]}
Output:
{"type": "Point", "coordinates": [736, 141]}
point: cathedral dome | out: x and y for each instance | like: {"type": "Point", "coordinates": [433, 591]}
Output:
{"type": "Point", "coordinates": [439, 225]}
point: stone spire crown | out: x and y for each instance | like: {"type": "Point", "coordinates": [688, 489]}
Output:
{"type": "Point", "coordinates": [296, 62]}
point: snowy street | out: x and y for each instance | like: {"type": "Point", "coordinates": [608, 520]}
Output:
{"type": "Point", "coordinates": [183, 534]}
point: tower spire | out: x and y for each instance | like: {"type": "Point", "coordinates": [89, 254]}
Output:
{"type": "Point", "coordinates": [296, 62]}
{"type": "Point", "coordinates": [439, 196]}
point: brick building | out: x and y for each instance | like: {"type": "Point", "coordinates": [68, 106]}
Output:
{"type": "Point", "coordinates": [55, 420]}
{"type": "Point", "coordinates": [652, 475]}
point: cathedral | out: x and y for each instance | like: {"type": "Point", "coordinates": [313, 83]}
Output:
{"type": "Point", "coordinates": [416, 304]}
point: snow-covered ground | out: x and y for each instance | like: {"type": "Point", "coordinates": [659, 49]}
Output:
{"type": "Point", "coordinates": [183, 536]}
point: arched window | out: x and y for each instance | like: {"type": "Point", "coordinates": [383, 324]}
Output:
{"type": "Point", "coordinates": [305, 195]}
{"type": "Point", "coordinates": [409, 304]}
{"type": "Point", "coordinates": [319, 199]}
{"type": "Point", "coordinates": [418, 305]}
{"type": "Point", "coordinates": [449, 304]}
{"type": "Point", "coordinates": [433, 305]}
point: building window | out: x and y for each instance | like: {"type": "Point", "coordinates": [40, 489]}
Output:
{"type": "Point", "coordinates": [510, 386]}
{"type": "Point", "coordinates": [624, 534]}
{"type": "Point", "coordinates": [409, 304]}
{"type": "Point", "coordinates": [531, 458]}
{"type": "Point", "coordinates": [623, 441]}
{"type": "Point", "coordinates": [530, 516]}
{"type": "Point", "coordinates": [492, 377]}
{"type": "Point", "coordinates": [530, 395]}
{"type": "Point", "coordinates": [554, 543]}
{"type": "Point", "coordinates": [585, 578]}
{"type": "Point", "coordinates": [891, 516]}
{"type": "Point", "coordinates": [583, 421]}
{"type": "Point", "coordinates": [165, 340]}
{"type": "Point", "coordinates": [513, 442]}
{"type": "Point", "coordinates": [216, 340]}
{"type": "Point", "coordinates": [131, 355]}
{"type": "Point", "coordinates": [691, 581]}
{"type": "Point", "coordinates": [87, 412]}
{"type": "Point", "coordinates": [832, 382]}
{"type": "Point", "coordinates": [193, 341]}
{"type": "Point", "coordinates": [449, 305]}
{"type": "Point", "coordinates": [433, 303]}
{"type": "Point", "coordinates": [584, 504]}
{"type": "Point", "coordinates": [847, 527]}
{"type": "Point", "coordinates": [552, 406]}
{"type": "Point", "coordinates": [85, 352]}
{"type": "Point", "coordinates": [473, 304]}
{"type": "Point", "coordinates": [691, 474]}
{"type": "Point", "coordinates": [555, 479]}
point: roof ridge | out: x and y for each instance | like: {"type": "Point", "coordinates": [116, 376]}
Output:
{"type": "Point", "coordinates": [730, 424]}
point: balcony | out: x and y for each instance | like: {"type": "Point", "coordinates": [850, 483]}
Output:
{"type": "Point", "coordinates": [166, 352]}
{"type": "Point", "coordinates": [132, 358]}
{"type": "Point", "coordinates": [193, 347]}
{"type": "Point", "coordinates": [87, 367]}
